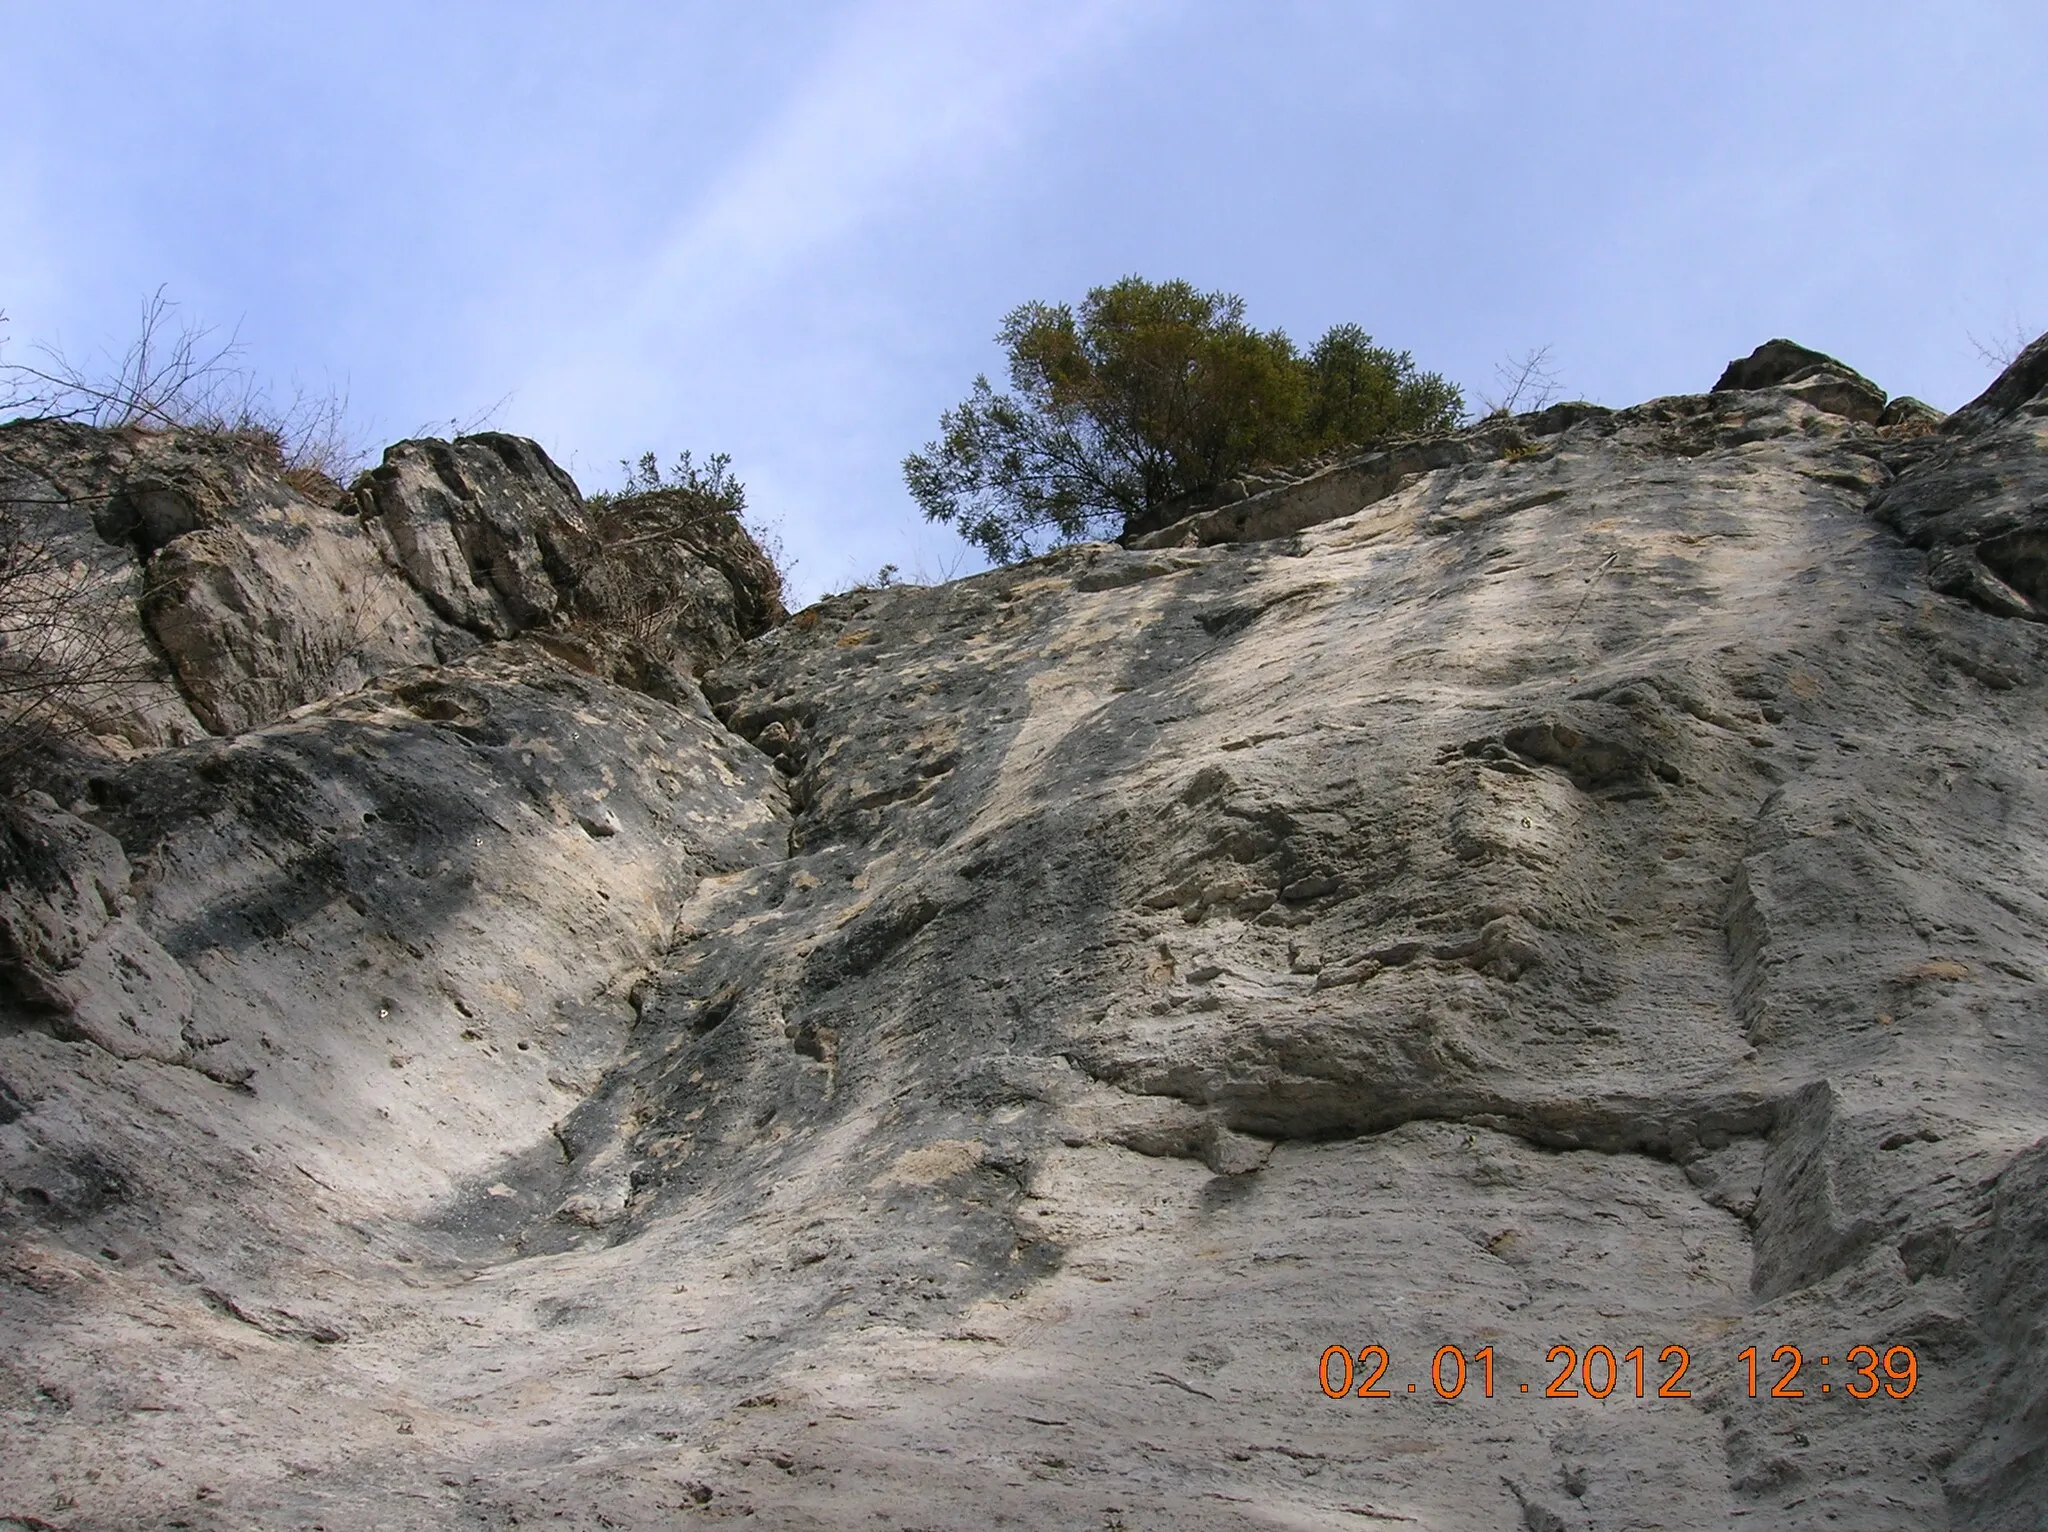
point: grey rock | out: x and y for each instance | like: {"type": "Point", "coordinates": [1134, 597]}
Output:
{"type": "Point", "coordinates": [56, 481]}
{"type": "Point", "coordinates": [1907, 416]}
{"type": "Point", "coordinates": [642, 589]}
{"type": "Point", "coordinates": [64, 880]}
{"type": "Point", "coordinates": [260, 599]}
{"type": "Point", "coordinates": [2018, 388]}
{"type": "Point", "coordinates": [1818, 378]}
{"type": "Point", "coordinates": [1777, 363]}
{"type": "Point", "coordinates": [486, 526]}
{"type": "Point", "coordinates": [262, 617]}
{"type": "Point", "coordinates": [1338, 490]}
{"type": "Point", "coordinates": [68, 950]}
{"type": "Point", "coordinates": [1579, 889]}
{"type": "Point", "coordinates": [1811, 398]}
{"type": "Point", "coordinates": [236, 594]}
{"type": "Point", "coordinates": [1976, 498]}
{"type": "Point", "coordinates": [126, 995]}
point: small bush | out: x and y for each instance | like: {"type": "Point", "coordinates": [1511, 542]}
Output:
{"type": "Point", "coordinates": [659, 520]}
{"type": "Point", "coordinates": [1527, 382]}
{"type": "Point", "coordinates": [714, 486]}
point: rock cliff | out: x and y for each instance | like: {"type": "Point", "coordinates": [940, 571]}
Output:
{"type": "Point", "coordinates": [506, 1028]}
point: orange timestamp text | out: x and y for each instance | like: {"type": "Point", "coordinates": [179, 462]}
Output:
{"type": "Point", "coordinates": [1601, 1372]}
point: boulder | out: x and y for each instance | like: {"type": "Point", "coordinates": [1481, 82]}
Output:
{"type": "Point", "coordinates": [231, 596]}
{"type": "Point", "coordinates": [1776, 363]}
{"type": "Point", "coordinates": [499, 540]}
{"type": "Point", "coordinates": [56, 480]}
{"type": "Point", "coordinates": [235, 596]}
{"type": "Point", "coordinates": [265, 614]}
{"type": "Point", "coordinates": [1907, 416]}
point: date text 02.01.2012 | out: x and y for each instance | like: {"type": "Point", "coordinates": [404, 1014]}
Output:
{"type": "Point", "coordinates": [1601, 1373]}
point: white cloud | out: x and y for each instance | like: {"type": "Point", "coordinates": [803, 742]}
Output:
{"type": "Point", "coordinates": [910, 92]}
{"type": "Point", "coordinates": [913, 88]}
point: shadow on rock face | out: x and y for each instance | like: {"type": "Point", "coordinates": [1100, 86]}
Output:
{"type": "Point", "coordinates": [69, 1187]}
{"type": "Point", "coordinates": [1975, 496]}
{"type": "Point", "coordinates": [1585, 890]}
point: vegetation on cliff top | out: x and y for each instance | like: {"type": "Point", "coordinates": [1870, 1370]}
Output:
{"type": "Point", "coordinates": [688, 510]}
{"type": "Point", "coordinates": [1149, 393]}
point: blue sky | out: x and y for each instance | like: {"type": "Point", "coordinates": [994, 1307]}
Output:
{"type": "Point", "coordinates": [789, 230]}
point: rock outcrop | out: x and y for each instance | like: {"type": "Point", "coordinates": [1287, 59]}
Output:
{"type": "Point", "coordinates": [1569, 892]}
{"type": "Point", "coordinates": [1977, 499]}
{"type": "Point", "coordinates": [235, 597]}
{"type": "Point", "coordinates": [246, 598]}
{"type": "Point", "coordinates": [486, 527]}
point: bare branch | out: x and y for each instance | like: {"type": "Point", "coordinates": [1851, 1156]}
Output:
{"type": "Point", "coordinates": [64, 647]}
{"type": "Point", "coordinates": [464, 425]}
{"type": "Point", "coordinates": [2002, 349]}
{"type": "Point", "coordinates": [1528, 382]}
{"type": "Point", "coordinates": [175, 376]}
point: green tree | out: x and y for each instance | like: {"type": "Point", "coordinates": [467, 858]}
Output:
{"type": "Point", "coordinates": [1150, 392]}
{"type": "Point", "coordinates": [1360, 393]}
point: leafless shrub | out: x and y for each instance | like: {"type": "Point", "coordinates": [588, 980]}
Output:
{"type": "Point", "coordinates": [68, 639]}
{"type": "Point", "coordinates": [928, 568]}
{"type": "Point", "coordinates": [461, 425]}
{"type": "Point", "coordinates": [176, 375]}
{"type": "Point", "coordinates": [64, 647]}
{"type": "Point", "coordinates": [163, 380]}
{"type": "Point", "coordinates": [1527, 382]}
{"type": "Point", "coordinates": [925, 568]}
{"type": "Point", "coordinates": [2003, 347]}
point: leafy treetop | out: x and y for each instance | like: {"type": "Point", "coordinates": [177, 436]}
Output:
{"type": "Point", "coordinates": [1151, 392]}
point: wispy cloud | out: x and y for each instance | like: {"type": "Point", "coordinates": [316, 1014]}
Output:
{"type": "Point", "coordinates": [914, 88]}
{"type": "Point", "coordinates": [909, 94]}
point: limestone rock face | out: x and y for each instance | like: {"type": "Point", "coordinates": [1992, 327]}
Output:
{"type": "Point", "coordinates": [259, 598]}
{"type": "Point", "coordinates": [68, 949]}
{"type": "Point", "coordinates": [263, 616]}
{"type": "Point", "coordinates": [231, 596]}
{"type": "Point", "coordinates": [1570, 893]}
{"type": "Point", "coordinates": [55, 482]}
{"type": "Point", "coordinates": [1818, 378]}
{"type": "Point", "coordinates": [1977, 499]}
{"type": "Point", "coordinates": [486, 526]}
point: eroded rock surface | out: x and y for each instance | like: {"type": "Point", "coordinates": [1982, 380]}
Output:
{"type": "Point", "coordinates": [1575, 884]}
{"type": "Point", "coordinates": [1978, 500]}
{"type": "Point", "coordinates": [232, 591]}
{"type": "Point", "coordinates": [486, 526]}
{"type": "Point", "coordinates": [241, 596]}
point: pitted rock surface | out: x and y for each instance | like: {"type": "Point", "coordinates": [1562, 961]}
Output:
{"type": "Point", "coordinates": [1576, 884]}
